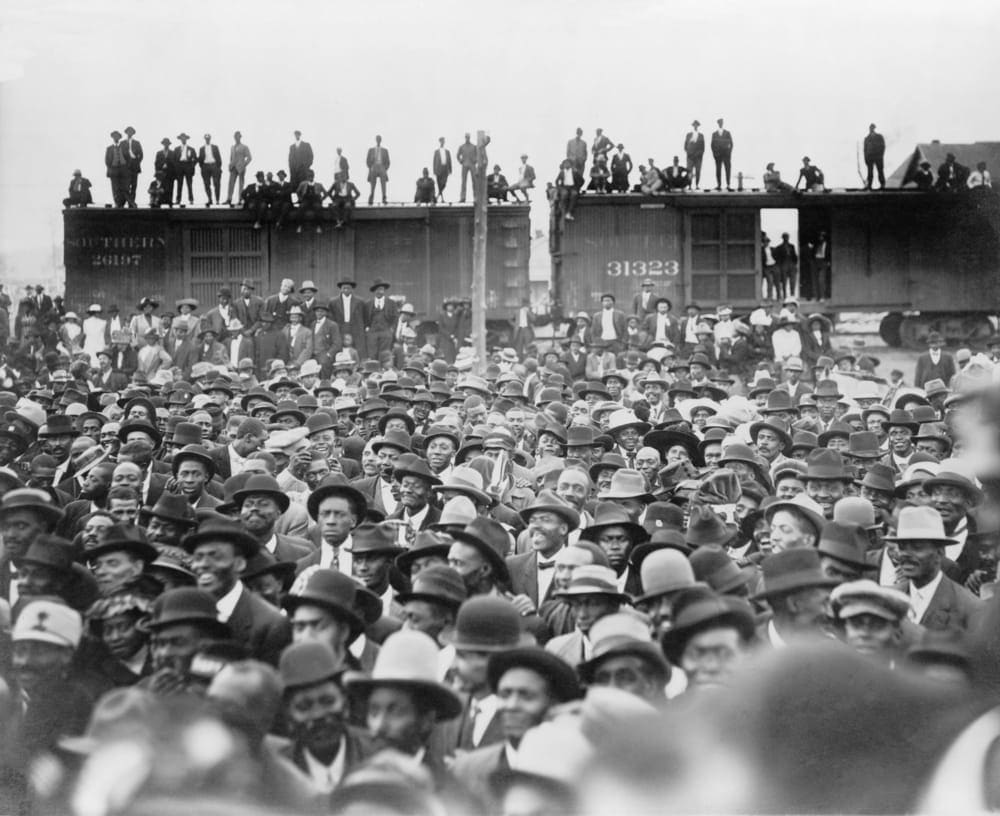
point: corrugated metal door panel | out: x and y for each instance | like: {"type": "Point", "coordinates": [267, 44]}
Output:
{"type": "Point", "coordinates": [614, 248]}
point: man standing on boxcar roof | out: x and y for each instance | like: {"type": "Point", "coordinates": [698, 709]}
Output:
{"type": "Point", "coordinates": [874, 156]}
{"type": "Point", "coordinates": [442, 167]}
{"type": "Point", "coordinates": [115, 161]}
{"type": "Point", "coordinates": [722, 152]}
{"type": "Point", "coordinates": [694, 148]}
{"type": "Point", "coordinates": [300, 159]}
{"type": "Point", "coordinates": [133, 159]}
{"type": "Point", "coordinates": [378, 168]}
{"type": "Point", "coordinates": [576, 151]}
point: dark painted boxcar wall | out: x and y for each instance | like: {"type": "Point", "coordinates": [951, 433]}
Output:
{"type": "Point", "coordinates": [425, 253]}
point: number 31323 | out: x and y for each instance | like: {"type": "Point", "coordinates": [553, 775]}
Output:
{"type": "Point", "coordinates": [642, 269]}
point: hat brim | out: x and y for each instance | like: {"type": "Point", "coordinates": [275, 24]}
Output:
{"type": "Point", "coordinates": [438, 696]}
{"type": "Point", "coordinates": [141, 549]}
{"type": "Point", "coordinates": [281, 498]}
{"type": "Point", "coordinates": [560, 675]}
{"type": "Point", "coordinates": [502, 573]}
{"type": "Point", "coordinates": [649, 653]}
{"type": "Point", "coordinates": [404, 561]}
{"type": "Point", "coordinates": [344, 613]}
{"type": "Point", "coordinates": [343, 491]}
{"type": "Point", "coordinates": [245, 544]}
{"type": "Point", "coordinates": [566, 513]}
{"type": "Point", "coordinates": [794, 581]}
{"type": "Point", "coordinates": [675, 640]}
{"type": "Point", "coordinates": [974, 494]}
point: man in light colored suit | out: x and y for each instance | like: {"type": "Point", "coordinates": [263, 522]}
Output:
{"type": "Point", "coordinates": [936, 602]}
{"type": "Point", "coordinates": [442, 167]}
{"type": "Point", "coordinates": [299, 336]}
{"type": "Point", "coordinates": [239, 158]}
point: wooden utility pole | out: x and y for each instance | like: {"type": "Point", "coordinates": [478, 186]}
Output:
{"type": "Point", "coordinates": [479, 201]}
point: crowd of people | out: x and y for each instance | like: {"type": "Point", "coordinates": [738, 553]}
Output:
{"type": "Point", "coordinates": [301, 564]}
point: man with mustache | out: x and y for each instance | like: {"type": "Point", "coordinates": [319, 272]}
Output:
{"type": "Point", "coordinates": [219, 553]}
{"type": "Point", "coordinates": [321, 743]}
{"type": "Point", "coordinates": [936, 602]}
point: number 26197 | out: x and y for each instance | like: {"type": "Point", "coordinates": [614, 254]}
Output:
{"type": "Point", "coordinates": [642, 269]}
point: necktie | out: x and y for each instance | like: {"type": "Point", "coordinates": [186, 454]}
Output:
{"type": "Point", "coordinates": [631, 460]}
{"type": "Point", "coordinates": [469, 727]}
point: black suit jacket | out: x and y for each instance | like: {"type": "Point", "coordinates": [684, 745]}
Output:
{"type": "Point", "coordinates": [389, 313]}
{"type": "Point", "coordinates": [442, 166]}
{"type": "Point", "coordinates": [215, 155]}
{"type": "Point", "coordinates": [259, 627]}
{"type": "Point", "coordinates": [433, 516]}
{"type": "Point", "coordinates": [249, 313]}
{"type": "Point", "coordinates": [299, 158]}
{"type": "Point", "coordinates": [952, 608]}
{"type": "Point", "coordinates": [722, 143]}
{"type": "Point", "coordinates": [290, 548]}
{"type": "Point", "coordinates": [134, 163]}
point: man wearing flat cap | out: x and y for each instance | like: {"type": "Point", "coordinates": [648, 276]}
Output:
{"type": "Point", "coordinates": [873, 618]}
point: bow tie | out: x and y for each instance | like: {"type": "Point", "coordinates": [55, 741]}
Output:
{"type": "Point", "coordinates": [544, 565]}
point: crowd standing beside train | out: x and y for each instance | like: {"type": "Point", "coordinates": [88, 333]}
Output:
{"type": "Point", "coordinates": [283, 554]}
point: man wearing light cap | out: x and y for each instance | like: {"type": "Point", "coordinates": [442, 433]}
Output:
{"type": "Point", "coordinates": [45, 637]}
{"type": "Point", "coordinates": [872, 618]}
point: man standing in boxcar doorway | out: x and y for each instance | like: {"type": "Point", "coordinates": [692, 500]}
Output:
{"type": "Point", "coordinates": [382, 316]}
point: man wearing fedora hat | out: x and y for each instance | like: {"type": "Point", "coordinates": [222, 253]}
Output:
{"type": "Point", "coordinates": [936, 602]}
{"type": "Point", "coordinates": [119, 560]}
{"type": "Point", "coordinates": [617, 533]}
{"type": "Point", "coordinates": [219, 553]}
{"type": "Point", "coordinates": [549, 522]}
{"type": "Point", "coordinates": [325, 605]}
{"type": "Point", "coordinates": [404, 701]}
{"type": "Point", "coordinates": [321, 743]}
{"type": "Point", "coordinates": [710, 638]}
{"type": "Point", "coordinates": [954, 494]}
{"type": "Point", "coordinates": [797, 591]}
{"type": "Point", "coordinates": [625, 657]}
{"type": "Point", "coordinates": [373, 549]}
{"type": "Point", "coordinates": [47, 568]}
{"type": "Point", "coordinates": [381, 316]}
{"type": "Point", "coordinates": [25, 514]}
{"type": "Point", "coordinates": [592, 594]}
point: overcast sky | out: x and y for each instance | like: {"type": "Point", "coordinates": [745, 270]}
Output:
{"type": "Point", "coordinates": [790, 77]}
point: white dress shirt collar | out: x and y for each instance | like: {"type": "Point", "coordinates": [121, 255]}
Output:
{"type": "Point", "coordinates": [227, 603]}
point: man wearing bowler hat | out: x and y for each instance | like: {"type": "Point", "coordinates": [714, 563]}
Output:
{"type": "Point", "coordinates": [827, 478]}
{"type": "Point", "coordinates": [261, 503]}
{"type": "Point", "coordinates": [415, 512]}
{"type": "Point", "coordinates": [527, 682]}
{"type": "Point", "coordinates": [193, 469]}
{"type": "Point", "coordinates": [184, 621]}
{"type": "Point", "coordinates": [219, 552]}
{"type": "Point", "coordinates": [337, 509]}
{"type": "Point", "coordinates": [936, 602]}
{"type": "Point", "coordinates": [485, 625]}
{"type": "Point", "coordinates": [321, 743]}
{"type": "Point", "coordinates": [381, 317]}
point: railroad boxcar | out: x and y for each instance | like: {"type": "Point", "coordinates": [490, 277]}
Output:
{"type": "Point", "coordinates": [929, 260]}
{"type": "Point", "coordinates": [120, 255]}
